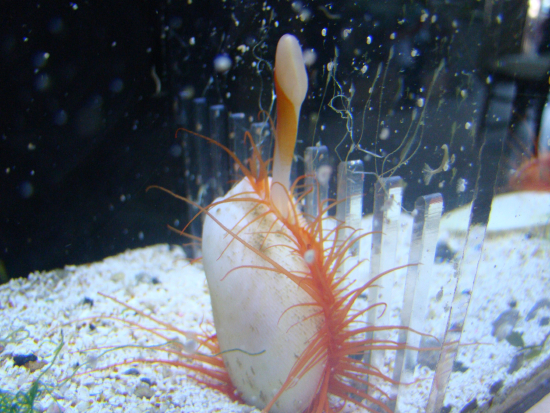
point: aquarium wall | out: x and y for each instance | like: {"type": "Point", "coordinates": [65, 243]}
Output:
{"type": "Point", "coordinates": [424, 135]}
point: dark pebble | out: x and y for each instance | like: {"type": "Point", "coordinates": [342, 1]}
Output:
{"type": "Point", "coordinates": [88, 301]}
{"type": "Point", "coordinates": [545, 302]}
{"type": "Point", "coordinates": [459, 366]}
{"type": "Point", "coordinates": [133, 372]}
{"type": "Point", "coordinates": [470, 407]}
{"type": "Point", "coordinates": [428, 358]}
{"type": "Point", "coordinates": [22, 359]}
{"type": "Point", "coordinates": [146, 380]}
{"type": "Point", "coordinates": [496, 386]}
{"type": "Point", "coordinates": [505, 323]}
{"type": "Point", "coordinates": [516, 364]}
{"type": "Point", "coordinates": [443, 253]}
{"type": "Point", "coordinates": [515, 338]}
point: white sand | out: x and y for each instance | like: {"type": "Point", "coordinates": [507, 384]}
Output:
{"type": "Point", "coordinates": [50, 306]}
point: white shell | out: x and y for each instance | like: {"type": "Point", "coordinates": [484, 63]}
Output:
{"type": "Point", "coordinates": [249, 303]}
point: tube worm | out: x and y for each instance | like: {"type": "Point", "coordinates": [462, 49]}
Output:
{"type": "Point", "coordinates": [278, 291]}
{"type": "Point", "coordinates": [257, 306]}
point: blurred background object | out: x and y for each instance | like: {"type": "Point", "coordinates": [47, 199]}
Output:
{"type": "Point", "coordinates": [93, 94]}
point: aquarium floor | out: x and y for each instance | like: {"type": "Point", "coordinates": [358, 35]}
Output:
{"type": "Point", "coordinates": [63, 306]}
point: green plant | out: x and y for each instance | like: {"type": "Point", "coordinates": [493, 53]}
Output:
{"type": "Point", "coordinates": [24, 400]}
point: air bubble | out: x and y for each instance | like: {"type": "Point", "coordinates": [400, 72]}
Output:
{"type": "Point", "coordinates": [116, 85]}
{"type": "Point", "coordinates": [40, 59]}
{"type": "Point", "coordinates": [310, 57]}
{"type": "Point", "coordinates": [222, 63]}
{"type": "Point", "coordinates": [42, 82]}
{"type": "Point", "coordinates": [26, 189]}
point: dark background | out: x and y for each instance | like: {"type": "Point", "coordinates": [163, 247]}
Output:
{"type": "Point", "coordinates": [84, 128]}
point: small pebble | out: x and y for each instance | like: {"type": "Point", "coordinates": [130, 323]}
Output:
{"type": "Point", "coordinates": [35, 365]}
{"type": "Point", "coordinates": [516, 364]}
{"type": "Point", "coordinates": [22, 359]}
{"type": "Point", "coordinates": [143, 390]}
{"type": "Point", "coordinates": [470, 407]}
{"type": "Point", "coordinates": [515, 339]}
{"type": "Point", "coordinates": [147, 278]}
{"type": "Point", "coordinates": [496, 386]}
{"type": "Point", "coordinates": [88, 301]}
{"type": "Point", "coordinates": [545, 302]}
{"type": "Point", "coordinates": [443, 253]}
{"type": "Point", "coordinates": [133, 372]}
{"type": "Point", "coordinates": [459, 366]}
{"type": "Point", "coordinates": [146, 380]}
{"type": "Point", "coordinates": [505, 323]}
{"type": "Point", "coordinates": [428, 358]}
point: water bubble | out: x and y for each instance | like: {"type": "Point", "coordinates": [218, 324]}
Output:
{"type": "Point", "coordinates": [26, 189]}
{"type": "Point", "coordinates": [222, 63]}
{"type": "Point", "coordinates": [116, 85]}
{"type": "Point", "coordinates": [89, 118]}
{"type": "Point", "coordinates": [296, 6]}
{"type": "Point", "coordinates": [310, 57]}
{"type": "Point", "coordinates": [384, 133]}
{"type": "Point", "coordinates": [40, 59]}
{"type": "Point", "coordinates": [188, 92]}
{"type": "Point", "coordinates": [55, 25]}
{"type": "Point", "coordinates": [309, 256]}
{"type": "Point", "coordinates": [190, 346]}
{"type": "Point", "coordinates": [60, 118]}
{"type": "Point", "coordinates": [176, 150]}
{"type": "Point", "coordinates": [305, 15]}
{"type": "Point", "coordinates": [42, 82]}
